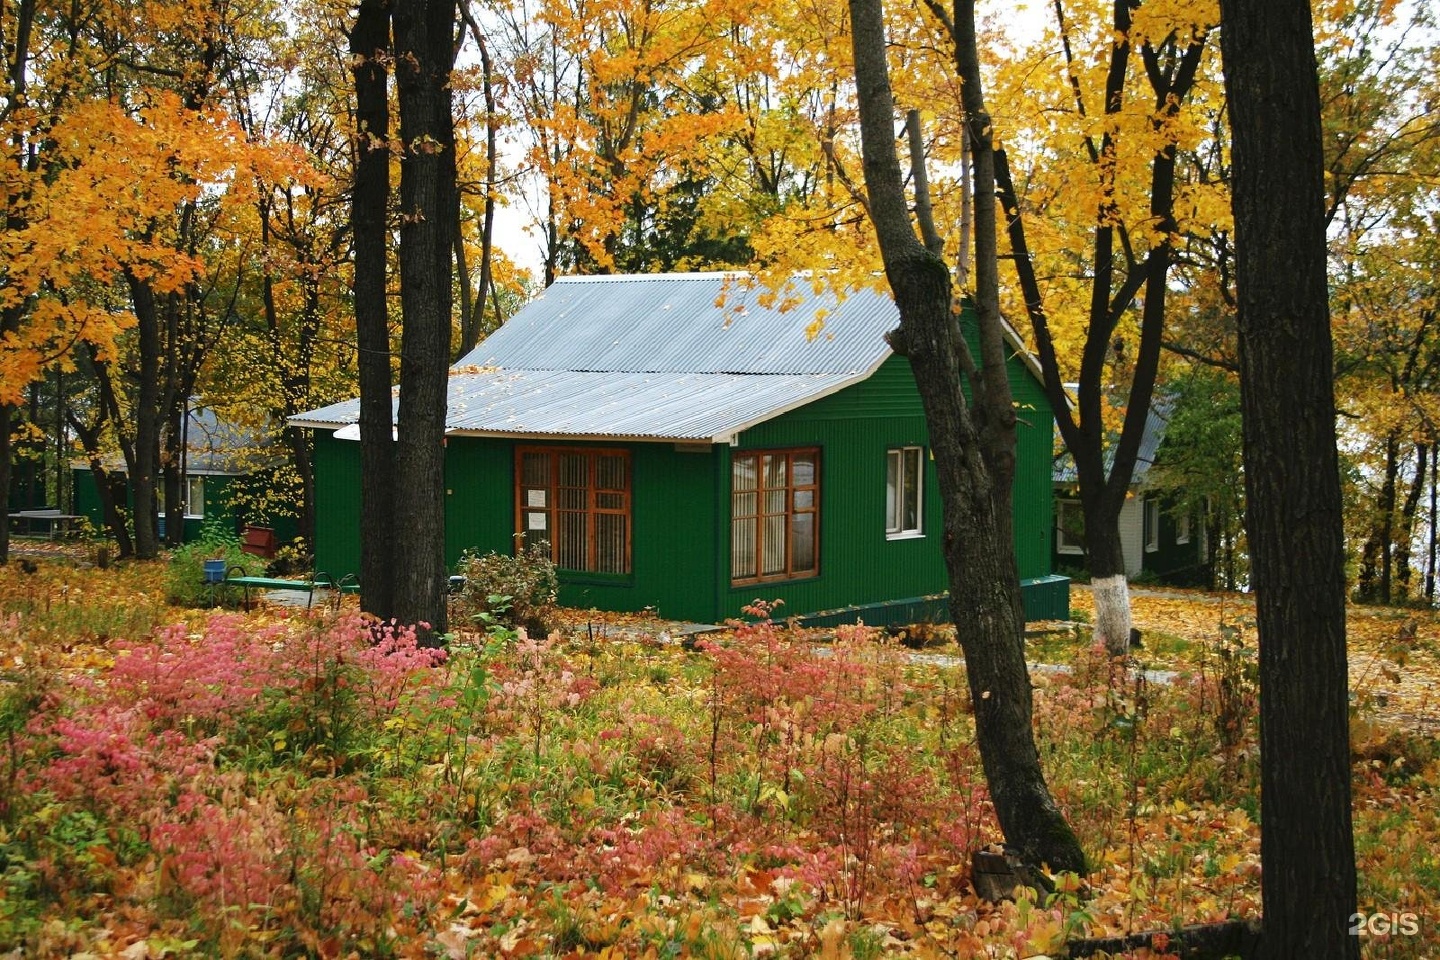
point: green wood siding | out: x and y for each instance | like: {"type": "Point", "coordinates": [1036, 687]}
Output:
{"type": "Point", "coordinates": [479, 496]}
{"type": "Point", "coordinates": [854, 429]}
{"type": "Point", "coordinates": [337, 505]}
{"type": "Point", "coordinates": [672, 523]}
{"type": "Point", "coordinates": [680, 503]}
{"type": "Point", "coordinates": [218, 490]}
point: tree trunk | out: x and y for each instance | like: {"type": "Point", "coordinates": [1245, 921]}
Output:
{"type": "Point", "coordinates": [302, 455]}
{"type": "Point", "coordinates": [1171, 74]}
{"type": "Point", "coordinates": [1109, 584]}
{"type": "Point", "coordinates": [1387, 517]}
{"type": "Point", "coordinates": [110, 407]}
{"type": "Point", "coordinates": [370, 49]}
{"type": "Point", "coordinates": [973, 448]}
{"type": "Point", "coordinates": [1292, 477]}
{"type": "Point", "coordinates": [147, 421]}
{"type": "Point", "coordinates": [1411, 506]}
{"type": "Point", "coordinates": [424, 45]}
{"type": "Point", "coordinates": [472, 303]}
{"type": "Point", "coordinates": [492, 177]}
{"type": "Point", "coordinates": [1434, 516]}
{"type": "Point", "coordinates": [7, 413]}
{"type": "Point", "coordinates": [89, 437]}
{"type": "Point", "coordinates": [172, 462]}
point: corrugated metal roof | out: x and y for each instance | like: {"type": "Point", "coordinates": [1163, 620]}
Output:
{"type": "Point", "coordinates": [689, 356]}
{"type": "Point", "coordinates": [675, 323]}
{"type": "Point", "coordinates": [216, 446]}
{"type": "Point", "coordinates": [650, 406]}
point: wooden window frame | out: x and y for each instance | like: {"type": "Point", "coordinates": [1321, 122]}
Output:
{"type": "Point", "coordinates": [791, 487]}
{"type": "Point", "coordinates": [592, 510]}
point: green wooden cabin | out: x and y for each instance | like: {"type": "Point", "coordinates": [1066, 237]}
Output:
{"type": "Point", "coordinates": [226, 467]}
{"type": "Point", "coordinates": [684, 447]}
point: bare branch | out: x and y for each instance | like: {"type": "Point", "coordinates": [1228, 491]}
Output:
{"type": "Point", "coordinates": [923, 211]}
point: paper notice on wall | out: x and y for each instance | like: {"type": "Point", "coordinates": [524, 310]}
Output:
{"type": "Point", "coordinates": [535, 521]}
{"type": "Point", "coordinates": [534, 498]}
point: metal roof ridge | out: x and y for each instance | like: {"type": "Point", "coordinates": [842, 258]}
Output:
{"type": "Point", "coordinates": [649, 277]}
{"type": "Point", "coordinates": [456, 372]}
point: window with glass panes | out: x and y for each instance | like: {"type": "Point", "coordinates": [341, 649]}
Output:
{"type": "Point", "coordinates": [194, 496]}
{"type": "Point", "coordinates": [775, 515]}
{"type": "Point", "coordinates": [577, 501]}
{"type": "Point", "coordinates": [904, 470]}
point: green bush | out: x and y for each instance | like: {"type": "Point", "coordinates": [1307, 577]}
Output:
{"type": "Point", "coordinates": [185, 577]}
{"type": "Point", "coordinates": [508, 591]}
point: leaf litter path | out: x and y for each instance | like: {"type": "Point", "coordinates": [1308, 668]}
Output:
{"type": "Point", "coordinates": [1394, 653]}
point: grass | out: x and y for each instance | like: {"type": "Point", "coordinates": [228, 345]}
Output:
{"type": "Point", "coordinates": [273, 785]}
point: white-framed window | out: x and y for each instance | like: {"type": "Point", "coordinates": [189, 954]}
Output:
{"type": "Point", "coordinates": [195, 496]}
{"type": "Point", "coordinates": [904, 482]}
{"type": "Point", "coordinates": [1182, 528]}
{"type": "Point", "coordinates": [1152, 524]}
{"type": "Point", "coordinates": [1069, 527]}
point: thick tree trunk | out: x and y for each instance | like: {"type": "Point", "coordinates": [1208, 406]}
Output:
{"type": "Point", "coordinates": [1109, 584]}
{"type": "Point", "coordinates": [424, 45]}
{"type": "Point", "coordinates": [973, 449]}
{"type": "Point", "coordinates": [7, 413]}
{"type": "Point", "coordinates": [144, 470]}
{"type": "Point", "coordinates": [1292, 477]}
{"type": "Point", "coordinates": [370, 48]}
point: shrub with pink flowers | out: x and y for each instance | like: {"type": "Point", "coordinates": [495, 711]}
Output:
{"type": "Point", "coordinates": [280, 785]}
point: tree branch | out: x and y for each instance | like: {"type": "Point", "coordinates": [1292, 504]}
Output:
{"type": "Point", "coordinates": [924, 213]}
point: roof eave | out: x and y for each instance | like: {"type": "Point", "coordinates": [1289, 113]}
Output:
{"type": "Point", "coordinates": [305, 423]}
{"type": "Point", "coordinates": [584, 437]}
{"type": "Point", "coordinates": [808, 399]}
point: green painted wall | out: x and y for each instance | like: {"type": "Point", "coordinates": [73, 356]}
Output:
{"type": "Point", "coordinates": [681, 507]}
{"type": "Point", "coordinates": [672, 517]}
{"type": "Point", "coordinates": [479, 496]}
{"type": "Point", "coordinates": [337, 505]}
{"type": "Point", "coordinates": [218, 489]}
{"type": "Point", "coordinates": [855, 428]}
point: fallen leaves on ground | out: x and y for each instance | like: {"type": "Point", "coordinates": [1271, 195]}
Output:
{"type": "Point", "coordinates": [607, 794]}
